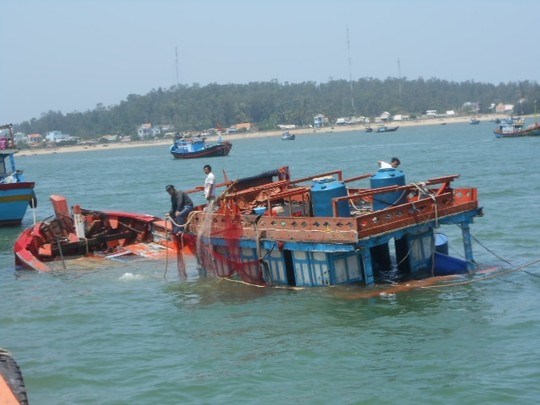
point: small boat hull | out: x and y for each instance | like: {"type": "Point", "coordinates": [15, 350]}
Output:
{"type": "Point", "coordinates": [16, 194]}
{"type": "Point", "coordinates": [88, 233]}
{"type": "Point", "coordinates": [287, 136]}
{"type": "Point", "coordinates": [533, 130]}
{"type": "Point", "coordinates": [15, 198]}
{"type": "Point", "coordinates": [387, 129]}
{"type": "Point", "coordinates": [221, 149]}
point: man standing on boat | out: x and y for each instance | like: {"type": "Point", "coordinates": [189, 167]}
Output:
{"type": "Point", "coordinates": [209, 184]}
{"type": "Point", "coordinates": [181, 206]}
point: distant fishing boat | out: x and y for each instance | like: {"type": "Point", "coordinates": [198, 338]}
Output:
{"type": "Point", "coordinates": [16, 194]}
{"type": "Point", "coordinates": [287, 136]}
{"type": "Point", "coordinates": [188, 147]}
{"type": "Point", "coordinates": [515, 127]}
{"type": "Point", "coordinates": [474, 121]}
{"type": "Point", "coordinates": [384, 128]}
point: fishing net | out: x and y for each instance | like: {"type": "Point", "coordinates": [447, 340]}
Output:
{"type": "Point", "coordinates": [217, 242]}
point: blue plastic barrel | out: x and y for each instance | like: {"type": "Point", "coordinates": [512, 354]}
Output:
{"type": "Point", "coordinates": [325, 189]}
{"type": "Point", "coordinates": [385, 178]}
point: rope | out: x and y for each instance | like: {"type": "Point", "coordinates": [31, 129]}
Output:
{"type": "Point", "coordinates": [422, 189]}
{"type": "Point", "coordinates": [188, 220]}
{"type": "Point", "coordinates": [167, 219]}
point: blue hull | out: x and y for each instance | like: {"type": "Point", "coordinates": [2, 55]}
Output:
{"type": "Point", "coordinates": [221, 149]}
{"type": "Point", "coordinates": [15, 193]}
{"type": "Point", "coordinates": [15, 198]}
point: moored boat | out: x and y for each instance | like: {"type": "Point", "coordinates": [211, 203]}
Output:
{"type": "Point", "coordinates": [90, 233]}
{"type": "Point", "coordinates": [270, 230]}
{"type": "Point", "coordinates": [384, 128]}
{"type": "Point", "coordinates": [16, 194]}
{"type": "Point", "coordinates": [287, 136]}
{"type": "Point", "coordinates": [474, 121]}
{"type": "Point", "coordinates": [515, 127]}
{"type": "Point", "coordinates": [188, 147]}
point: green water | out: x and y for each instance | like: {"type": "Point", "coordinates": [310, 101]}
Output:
{"type": "Point", "coordinates": [133, 333]}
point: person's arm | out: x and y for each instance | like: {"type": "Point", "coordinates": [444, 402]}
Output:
{"type": "Point", "coordinates": [174, 206]}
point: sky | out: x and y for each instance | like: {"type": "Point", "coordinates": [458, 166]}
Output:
{"type": "Point", "coordinates": [73, 55]}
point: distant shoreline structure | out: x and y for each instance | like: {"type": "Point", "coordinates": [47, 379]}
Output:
{"type": "Point", "coordinates": [484, 119]}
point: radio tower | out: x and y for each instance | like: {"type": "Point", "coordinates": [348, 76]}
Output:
{"type": "Point", "coordinates": [399, 77]}
{"type": "Point", "coordinates": [176, 62]}
{"type": "Point", "coordinates": [350, 70]}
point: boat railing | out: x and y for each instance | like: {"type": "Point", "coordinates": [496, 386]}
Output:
{"type": "Point", "coordinates": [257, 189]}
{"type": "Point", "coordinates": [419, 188]}
{"type": "Point", "coordinates": [361, 177]}
{"type": "Point", "coordinates": [302, 194]}
{"type": "Point", "coordinates": [309, 178]}
{"type": "Point", "coordinates": [354, 228]}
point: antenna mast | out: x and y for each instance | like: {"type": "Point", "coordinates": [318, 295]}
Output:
{"type": "Point", "coordinates": [399, 77]}
{"type": "Point", "coordinates": [350, 69]}
{"type": "Point", "coordinates": [176, 62]}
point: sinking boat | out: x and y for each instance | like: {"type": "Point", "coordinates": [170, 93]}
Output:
{"type": "Point", "coordinates": [188, 147]}
{"type": "Point", "coordinates": [16, 194]}
{"type": "Point", "coordinates": [320, 230]}
{"type": "Point", "coordinates": [76, 233]}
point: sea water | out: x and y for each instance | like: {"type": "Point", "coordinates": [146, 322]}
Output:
{"type": "Point", "coordinates": [136, 333]}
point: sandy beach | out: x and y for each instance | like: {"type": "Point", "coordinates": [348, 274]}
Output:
{"type": "Point", "coordinates": [485, 119]}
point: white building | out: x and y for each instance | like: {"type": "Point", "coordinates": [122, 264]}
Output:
{"type": "Point", "coordinates": [148, 131]}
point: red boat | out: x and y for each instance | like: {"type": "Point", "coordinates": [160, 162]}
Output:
{"type": "Point", "coordinates": [90, 233]}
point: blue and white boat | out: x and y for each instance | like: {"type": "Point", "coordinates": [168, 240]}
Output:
{"type": "Point", "coordinates": [384, 128]}
{"type": "Point", "coordinates": [16, 194]}
{"type": "Point", "coordinates": [515, 127]}
{"type": "Point", "coordinates": [287, 136]}
{"type": "Point", "coordinates": [322, 230]}
{"type": "Point", "coordinates": [187, 147]}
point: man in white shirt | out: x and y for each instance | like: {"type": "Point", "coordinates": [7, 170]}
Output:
{"type": "Point", "coordinates": [209, 184]}
{"type": "Point", "coordinates": [394, 163]}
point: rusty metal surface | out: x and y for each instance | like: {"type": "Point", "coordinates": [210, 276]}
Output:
{"type": "Point", "coordinates": [339, 229]}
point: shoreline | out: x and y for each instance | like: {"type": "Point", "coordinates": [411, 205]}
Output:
{"type": "Point", "coordinates": [261, 134]}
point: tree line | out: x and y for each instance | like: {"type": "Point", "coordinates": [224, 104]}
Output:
{"type": "Point", "coordinates": [268, 104]}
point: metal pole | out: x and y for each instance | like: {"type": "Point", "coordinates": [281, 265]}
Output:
{"type": "Point", "coordinates": [467, 245]}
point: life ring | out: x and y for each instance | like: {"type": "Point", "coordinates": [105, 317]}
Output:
{"type": "Point", "coordinates": [32, 202]}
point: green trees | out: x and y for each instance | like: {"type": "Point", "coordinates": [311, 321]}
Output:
{"type": "Point", "coordinates": [267, 104]}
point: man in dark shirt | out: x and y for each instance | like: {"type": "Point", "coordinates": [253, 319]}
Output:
{"type": "Point", "coordinates": [181, 206]}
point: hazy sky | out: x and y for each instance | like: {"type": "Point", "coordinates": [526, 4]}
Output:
{"type": "Point", "coordinates": [70, 55]}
